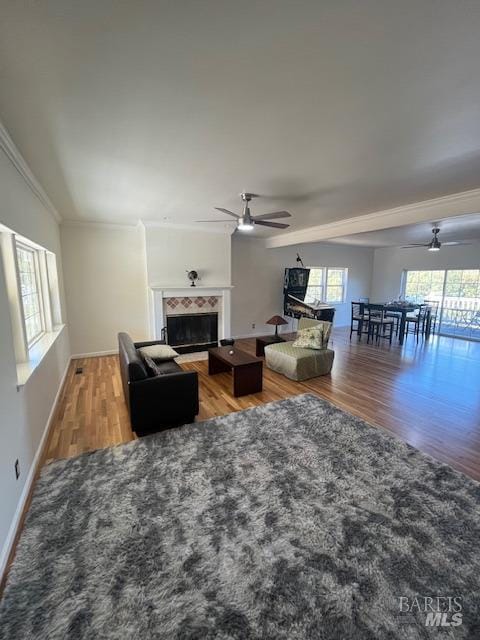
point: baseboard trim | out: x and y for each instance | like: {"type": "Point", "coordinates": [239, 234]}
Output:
{"type": "Point", "coordinates": [8, 551]}
{"type": "Point", "coordinates": [94, 354]}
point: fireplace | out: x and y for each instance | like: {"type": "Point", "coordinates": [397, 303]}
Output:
{"type": "Point", "coordinates": [174, 301]}
{"type": "Point", "coordinates": [192, 332]}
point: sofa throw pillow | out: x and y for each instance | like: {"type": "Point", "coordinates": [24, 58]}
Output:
{"type": "Point", "coordinates": [159, 352]}
{"type": "Point", "coordinates": [326, 328]}
{"type": "Point", "coordinates": [314, 337]}
{"type": "Point", "coordinates": [152, 367]}
{"type": "Point", "coordinates": [310, 338]}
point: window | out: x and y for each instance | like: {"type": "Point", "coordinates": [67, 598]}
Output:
{"type": "Point", "coordinates": [463, 283]}
{"type": "Point", "coordinates": [335, 285]}
{"type": "Point", "coordinates": [327, 284]}
{"type": "Point", "coordinates": [421, 285]}
{"type": "Point", "coordinates": [31, 283]}
{"type": "Point", "coordinates": [315, 286]}
{"type": "Point", "coordinates": [30, 292]}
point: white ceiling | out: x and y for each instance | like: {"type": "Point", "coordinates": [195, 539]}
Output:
{"type": "Point", "coordinates": [163, 110]}
{"type": "Point", "coordinates": [458, 229]}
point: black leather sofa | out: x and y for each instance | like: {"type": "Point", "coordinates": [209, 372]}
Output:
{"type": "Point", "coordinates": [156, 402]}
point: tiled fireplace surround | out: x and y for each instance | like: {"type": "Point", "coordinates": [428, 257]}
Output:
{"type": "Point", "coordinates": [192, 304]}
{"type": "Point", "coordinates": [190, 300]}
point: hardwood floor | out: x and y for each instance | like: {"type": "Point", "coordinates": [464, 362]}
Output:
{"type": "Point", "coordinates": [92, 412]}
{"type": "Point", "coordinates": [426, 394]}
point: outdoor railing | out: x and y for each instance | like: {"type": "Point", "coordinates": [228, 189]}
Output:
{"type": "Point", "coordinates": [457, 316]}
{"type": "Point", "coordinates": [461, 317]}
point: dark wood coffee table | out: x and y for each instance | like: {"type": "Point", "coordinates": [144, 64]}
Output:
{"type": "Point", "coordinates": [247, 370]}
{"type": "Point", "coordinates": [261, 343]}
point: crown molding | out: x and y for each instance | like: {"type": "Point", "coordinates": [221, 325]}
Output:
{"type": "Point", "coordinates": [16, 158]}
{"type": "Point", "coordinates": [141, 224]}
{"type": "Point", "coordinates": [436, 209]}
{"type": "Point", "coordinates": [152, 224]}
{"type": "Point", "coordinates": [99, 225]}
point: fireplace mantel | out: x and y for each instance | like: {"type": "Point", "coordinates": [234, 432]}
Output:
{"type": "Point", "coordinates": [160, 292]}
{"type": "Point", "coordinates": [182, 290]}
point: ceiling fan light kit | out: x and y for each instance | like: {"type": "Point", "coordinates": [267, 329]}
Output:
{"type": "Point", "coordinates": [247, 222]}
{"type": "Point", "coordinates": [243, 225]}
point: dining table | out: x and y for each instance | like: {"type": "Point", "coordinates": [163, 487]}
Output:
{"type": "Point", "coordinates": [403, 309]}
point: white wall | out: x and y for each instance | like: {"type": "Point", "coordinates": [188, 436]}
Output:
{"type": "Point", "coordinates": [108, 269]}
{"type": "Point", "coordinates": [106, 285]}
{"type": "Point", "coordinates": [257, 276]}
{"type": "Point", "coordinates": [24, 413]}
{"type": "Point", "coordinates": [173, 251]}
{"type": "Point", "coordinates": [390, 262]}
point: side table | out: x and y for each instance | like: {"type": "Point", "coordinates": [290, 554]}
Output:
{"type": "Point", "coordinates": [262, 342]}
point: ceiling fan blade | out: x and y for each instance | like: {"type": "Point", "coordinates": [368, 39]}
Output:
{"type": "Point", "coordinates": [216, 221]}
{"type": "Point", "coordinates": [272, 216]}
{"type": "Point", "coordinates": [411, 246]}
{"type": "Point", "coordinates": [454, 244]}
{"type": "Point", "coordinates": [229, 213]}
{"type": "Point", "coordinates": [276, 225]}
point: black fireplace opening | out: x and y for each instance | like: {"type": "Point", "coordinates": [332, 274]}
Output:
{"type": "Point", "coordinates": [192, 332]}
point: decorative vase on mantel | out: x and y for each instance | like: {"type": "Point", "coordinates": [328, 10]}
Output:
{"type": "Point", "coordinates": [192, 276]}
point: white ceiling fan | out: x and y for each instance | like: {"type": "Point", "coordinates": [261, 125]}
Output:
{"type": "Point", "coordinates": [434, 244]}
{"type": "Point", "coordinates": [246, 222]}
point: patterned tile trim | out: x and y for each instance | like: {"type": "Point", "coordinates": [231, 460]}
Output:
{"type": "Point", "coordinates": [201, 303]}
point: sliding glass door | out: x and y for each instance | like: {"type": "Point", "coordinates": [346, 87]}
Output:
{"type": "Point", "coordinates": [461, 303]}
{"type": "Point", "coordinates": [457, 292]}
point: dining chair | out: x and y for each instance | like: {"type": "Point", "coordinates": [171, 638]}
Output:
{"type": "Point", "coordinates": [434, 306]}
{"type": "Point", "coordinates": [378, 322]}
{"type": "Point", "coordinates": [360, 318]}
{"type": "Point", "coordinates": [396, 317]}
{"type": "Point", "coordinates": [418, 321]}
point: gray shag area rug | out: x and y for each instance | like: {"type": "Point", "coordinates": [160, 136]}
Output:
{"type": "Point", "coordinates": [292, 520]}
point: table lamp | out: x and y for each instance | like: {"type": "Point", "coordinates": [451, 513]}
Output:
{"type": "Point", "coordinates": [277, 321]}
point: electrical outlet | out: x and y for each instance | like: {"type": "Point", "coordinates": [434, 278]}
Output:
{"type": "Point", "coordinates": [253, 325]}
{"type": "Point", "coordinates": [17, 469]}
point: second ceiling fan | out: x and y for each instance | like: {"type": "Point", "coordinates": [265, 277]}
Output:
{"type": "Point", "coordinates": [434, 244]}
{"type": "Point", "coordinates": [246, 222]}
